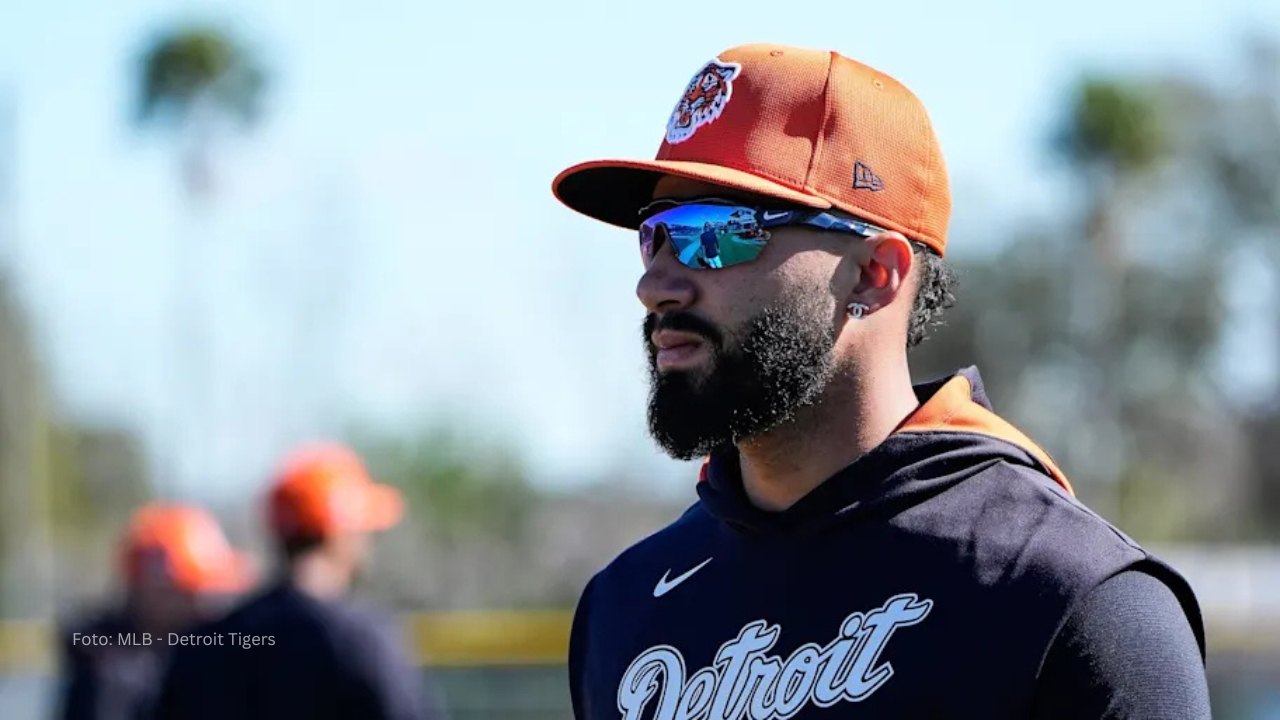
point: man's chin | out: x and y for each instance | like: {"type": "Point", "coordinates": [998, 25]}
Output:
{"type": "Point", "coordinates": [679, 422]}
{"type": "Point", "coordinates": [684, 448]}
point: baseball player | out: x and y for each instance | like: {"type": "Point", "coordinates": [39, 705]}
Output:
{"type": "Point", "coordinates": [179, 570]}
{"type": "Point", "coordinates": [710, 246]}
{"type": "Point", "coordinates": [301, 649]}
{"type": "Point", "coordinates": [861, 547]}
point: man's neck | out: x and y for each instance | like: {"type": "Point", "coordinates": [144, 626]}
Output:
{"type": "Point", "coordinates": [319, 577]}
{"type": "Point", "coordinates": [781, 467]}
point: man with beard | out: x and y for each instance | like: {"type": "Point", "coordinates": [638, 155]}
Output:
{"type": "Point", "coordinates": [302, 648]}
{"type": "Point", "coordinates": [861, 546]}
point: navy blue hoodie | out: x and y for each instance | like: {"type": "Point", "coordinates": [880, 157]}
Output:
{"type": "Point", "coordinates": [926, 579]}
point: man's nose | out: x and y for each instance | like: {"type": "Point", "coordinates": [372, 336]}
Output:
{"type": "Point", "coordinates": [666, 284]}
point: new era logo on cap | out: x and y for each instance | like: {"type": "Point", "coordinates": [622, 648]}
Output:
{"type": "Point", "coordinates": [865, 179]}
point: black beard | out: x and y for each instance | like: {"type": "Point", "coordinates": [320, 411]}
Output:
{"type": "Point", "coordinates": [782, 364]}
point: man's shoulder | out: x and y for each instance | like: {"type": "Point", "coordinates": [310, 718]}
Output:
{"type": "Point", "coordinates": [296, 625]}
{"type": "Point", "coordinates": [678, 541]}
{"type": "Point", "coordinates": [1008, 498]}
{"type": "Point", "coordinates": [254, 609]}
{"type": "Point", "coordinates": [94, 622]}
{"type": "Point", "coordinates": [359, 617]}
{"type": "Point", "coordinates": [342, 624]}
{"type": "Point", "coordinates": [355, 631]}
{"type": "Point", "coordinates": [198, 651]}
{"type": "Point", "coordinates": [1014, 524]}
{"type": "Point", "coordinates": [254, 614]}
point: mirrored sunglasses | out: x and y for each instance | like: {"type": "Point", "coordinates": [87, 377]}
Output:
{"type": "Point", "coordinates": [715, 234]}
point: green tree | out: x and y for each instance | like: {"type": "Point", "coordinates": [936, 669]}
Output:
{"type": "Point", "coordinates": [25, 493]}
{"type": "Point", "coordinates": [462, 487]}
{"type": "Point", "coordinates": [468, 536]}
{"type": "Point", "coordinates": [1097, 329]}
{"type": "Point", "coordinates": [1111, 141]}
{"type": "Point", "coordinates": [198, 83]}
{"type": "Point", "coordinates": [62, 490]}
{"type": "Point", "coordinates": [195, 80]}
{"type": "Point", "coordinates": [1237, 156]}
{"type": "Point", "coordinates": [98, 477]}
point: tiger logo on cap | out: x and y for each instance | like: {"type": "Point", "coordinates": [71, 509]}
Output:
{"type": "Point", "coordinates": [703, 100]}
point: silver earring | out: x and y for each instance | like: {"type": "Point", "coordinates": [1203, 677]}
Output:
{"type": "Point", "coordinates": [857, 310]}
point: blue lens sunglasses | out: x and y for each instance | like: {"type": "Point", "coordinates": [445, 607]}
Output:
{"type": "Point", "coordinates": [710, 234]}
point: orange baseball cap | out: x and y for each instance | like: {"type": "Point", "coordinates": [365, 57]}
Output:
{"type": "Point", "coordinates": [323, 488]}
{"type": "Point", "coordinates": [808, 127]}
{"type": "Point", "coordinates": [186, 544]}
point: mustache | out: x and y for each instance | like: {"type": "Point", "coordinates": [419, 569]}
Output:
{"type": "Point", "coordinates": [681, 321]}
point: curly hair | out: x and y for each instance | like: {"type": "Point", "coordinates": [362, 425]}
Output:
{"type": "Point", "coordinates": [935, 293]}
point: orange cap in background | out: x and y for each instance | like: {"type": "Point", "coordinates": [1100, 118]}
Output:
{"type": "Point", "coordinates": [187, 544]}
{"type": "Point", "coordinates": [809, 127]}
{"type": "Point", "coordinates": [323, 488]}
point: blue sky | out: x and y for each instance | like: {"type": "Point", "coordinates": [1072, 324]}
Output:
{"type": "Point", "coordinates": [385, 247]}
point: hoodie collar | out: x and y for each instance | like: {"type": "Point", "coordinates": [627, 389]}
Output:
{"type": "Point", "coordinates": [953, 434]}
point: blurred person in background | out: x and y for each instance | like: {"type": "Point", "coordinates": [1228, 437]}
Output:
{"type": "Point", "coordinates": [301, 648]}
{"type": "Point", "coordinates": [179, 570]}
{"type": "Point", "coordinates": [710, 246]}
{"type": "Point", "coordinates": [862, 546]}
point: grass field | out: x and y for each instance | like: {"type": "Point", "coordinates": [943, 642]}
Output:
{"type": "Point", "coordinates": [731, 250]}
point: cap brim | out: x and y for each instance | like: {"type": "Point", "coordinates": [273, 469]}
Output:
{"type": "Point", "coordinates": [384, 508]}
{"type": "Point", "coordinates": [614, 191]}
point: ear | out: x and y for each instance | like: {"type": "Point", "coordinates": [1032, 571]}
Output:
{"type": "Point", "coordinates": [885, 267]}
